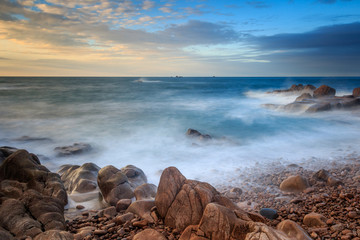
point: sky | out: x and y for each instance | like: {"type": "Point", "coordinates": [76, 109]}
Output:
{"type": "Point", "coordinates": [180, 37]}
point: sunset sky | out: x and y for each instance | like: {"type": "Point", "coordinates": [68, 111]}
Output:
{"type": "Point", "coordinates": [180, 37]}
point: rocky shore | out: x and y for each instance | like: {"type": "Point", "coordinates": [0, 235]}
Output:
{"type": "Point", "coordinates": [311, 99]}
{"type": "Point", "coordinates": [89, 202]}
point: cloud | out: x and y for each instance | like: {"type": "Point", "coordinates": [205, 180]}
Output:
{"type": "Point", "coordinates": [148, 5]}
{"type": "Point", "coordinates": [333, 49]}
{"type": "Point", "coordinates": [334, 36]}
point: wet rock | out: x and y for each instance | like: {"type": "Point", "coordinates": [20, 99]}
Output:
{"type": "Point", "coordinates": [76, 148]}
{"type": "Point", "coordinates": [293, 230]}
{"type": "Point", "coordinates": [149, 234]}
{"type": "Point", "coordinates": [31, 139]}
{"type": "Point", "coordinates": [79, 179]}
{"type": "Point", "coordinates": [303, 97]}
{"type": "Point", "coordinates": [356, 92]}
{"type": "Point", "coordinates": [196, 134]}
{"type": "Point", "coordinates": [145, 191]}
{"type": "Point", "coordinates": [135, 175]}
{"type": "Point", "coordinates": [324, 91]}
{"type": "Point", "coordinates": [114, 185]}
{"type": "Point", "coordinates": [314, 220]}
{"type": "Point", "coordinates": [269, 213]}
{"type": "Point", "coordinates": [319, 107]}
{"type": "Point", "coordinates": [294, 184]}
{"type": "Point", "coordinates": [123, 204]}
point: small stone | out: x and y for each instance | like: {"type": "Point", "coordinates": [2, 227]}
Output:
{"type": "Point", "coordinates": [314, 220]}
{"type": "Point", "coordinates": [269, 213]}
{"type": "Point", "coordinates": [141, 223]}
{"type": "Point", "coordinates": [110, 212]}
{"type": "Point", "coordinates": [314, 235]}
{"type": "Point", "coordinates": [79, 207]}
{"type": "Point", "coordinates": [236, 190]}
{"type": "Point", "coordinates": [100, 232]}
{"type": "Point", "coordinates": [352, 214]}
{"type": "Point", "coordinates": [337, 228]}
{"type": "Point", "coordinates": [124, 218]}
{"type": "Point", "coordinates": [123, 204]}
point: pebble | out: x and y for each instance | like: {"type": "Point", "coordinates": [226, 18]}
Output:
{"type": "Point", "coordinates": [79, 207]}
{"type": "Point", "coordinates": [268, 213]}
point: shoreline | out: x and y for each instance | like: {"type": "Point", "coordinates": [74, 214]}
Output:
{"type": "Point", "coordinates": [337, 205]}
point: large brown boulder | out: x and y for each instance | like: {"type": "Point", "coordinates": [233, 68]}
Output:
{"type": "Point", "coordinates": [114, 185]}
{"type": "Point", "coordinates": [219, 222]}
{"type": "Point", "coordinates": [79, 179]}
{"type": "Point", "coordinates": [303, 97]}
{"type": "Point", "coordinates": [26, 168]}
{"type": "Point", "coordinates": [198, 209]}
{"type": "Point", "coordinates": [356, 92]}
{"type": "Point", "coordinates": [33, 198]}
{"type": "Point", "coordinates": [324, 91]}
{"type": "Point", "coordinates": [181, 202]}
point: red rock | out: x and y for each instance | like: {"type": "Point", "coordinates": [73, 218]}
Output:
{"type": "Point", "coordinates": [314, 220]}
{"type": "Point", "coordinates": [352, 214]}
{"type": "Point", "coordinates": [145, 191]}
{"type": "Point", "coordinates": [324, 91]}
{"type": "Point", "coordinates": [100, 232]}
{"type": "Point", "coordinates": [149, 234]}
{"type": "Point", "coordinates": [356, 92]}
{"type": "Point", "coordinates": [294, 184]}
{"type": "Point", "coordinates": [54, 234]}
{"type": "Point", "coordinates": [123, 204]}
{"type": "Point", "coordinates": [79, 207]}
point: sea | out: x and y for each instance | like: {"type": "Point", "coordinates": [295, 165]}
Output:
{"type": "Point", "coordinates": [142, 121]}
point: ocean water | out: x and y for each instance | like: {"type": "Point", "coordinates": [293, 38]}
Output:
{"type": "Point", "coordinates": [142, 121]}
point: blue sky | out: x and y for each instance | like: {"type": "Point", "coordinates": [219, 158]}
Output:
{"type": "Point", "coordinates": [189, 38]}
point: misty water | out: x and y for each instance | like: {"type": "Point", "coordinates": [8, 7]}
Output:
{"type": "Point", "coordinates": [142, 121]}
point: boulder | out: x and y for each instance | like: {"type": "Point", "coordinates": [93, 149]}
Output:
{"type": "Point", "coordinates": [33, 197]}
{"type": "Point", "coordinates": [293, 230]}
{"type": "Point", "coordinates": [303, 97]}
{"type": "Point", "coordinates": [54, 234]}
{"type": "Point", "coordinates": [5, 152]}
{"type": "Point", "coordinates": [356, 92]}
{"type": "Point", "coordinates": [114, 185]}
{"type": "Point", "coordinates": [149, 234]}
{"type": "Point", "coordinates": [79, 179]}
{"type": "Point", "coordinates": [143, 209]}
{"type": "Point", "coordinates": [294, 184]}
{"type": "Point", "coordinates": [196, 134]}
{"type": "Point", "coordinates": [25, 167]}
{"type": "Point", "coordinates": [319, 107]}
{"type": "Point", "coordinates": [181, 202]}
{"type": "Point", "coordinates": [5, 235]}
{"type": "Point", "coordinates": [145, 191]}
{"type": "Point", "coordinates": [324, 91]}
{"type": "Point", "coordinates": [31, 139]}
{"type": "Point", "coordinates": [314, 220]}
{"type": "Point", "coordinates": [76, 148]}
{"type": "Point", "coordinates": [15, 218]}
{"type": "Point", "coordinates": [136, 176]}
{"type": "Point", "coordinates": [123, 204]}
